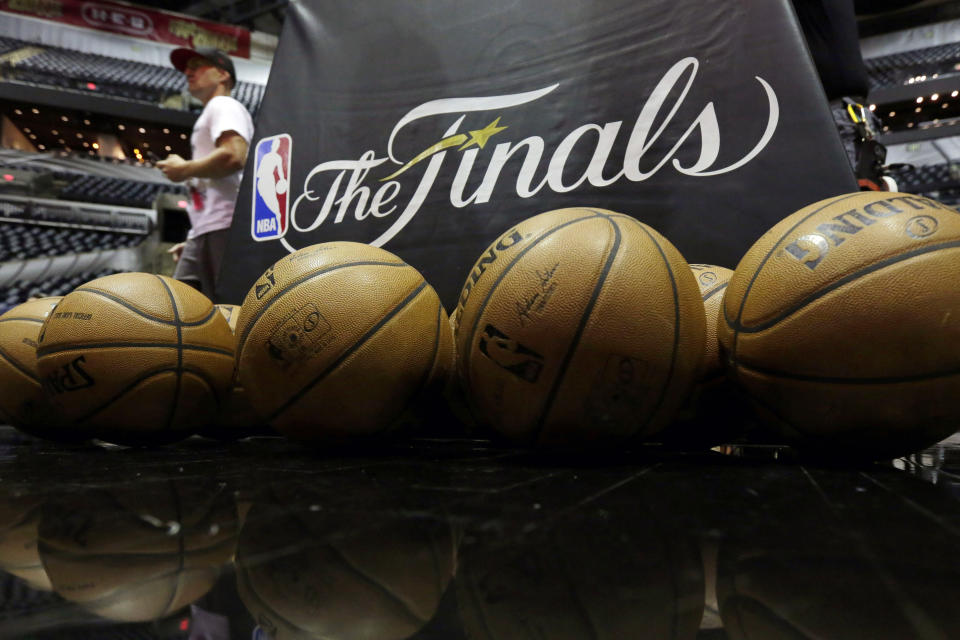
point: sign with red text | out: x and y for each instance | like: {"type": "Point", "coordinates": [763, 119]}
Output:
{"type": "Point", "coordinates": [140, 22]}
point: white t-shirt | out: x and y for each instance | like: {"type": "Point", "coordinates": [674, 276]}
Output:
{"type": "Point", "coordinates": [211, 202]}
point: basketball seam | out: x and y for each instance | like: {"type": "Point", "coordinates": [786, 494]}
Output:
{"type": "Point", "coordinates": [279, 294]}
{"type": "Point", "coordinates": [712, 293]}
{"type": "Point", "coordinates": [136, 381]}
{"type": "Point", "coordinates": [126, 304]}
{"type": "Point", "coordinates": [198, 373]}
{"type": "Point", "coordinates": [584, 318]}
{"type": "Point", "coordinates": [466, 356]}
{"type": "Point", "coordinates": [18, 366]}
{"type": "Point", "coordinates": [202, 376]}
{"type": "Point", "coordinates": [202, 321]}
{"type": "Point", "coordinates": [176, 317]}
{"type": "Point", "coordinates": [22, 319]}
{"type": "Point", "coordinates": [376, 584]}
{"type": "Point", "coordinates": [353, 348]}
{"type": "Point", "coordinates": [676, 327]}
{"type": "Point", "coordinates": [756, 273]}
{"type": "Point", "coordinates": [850, 277]}
{"type": "Point", "coordinates": [45, 351]}
{"type": "Point", "coordinates": [253, 592]}
{"type": "Point", "coordinates": [841, 380]}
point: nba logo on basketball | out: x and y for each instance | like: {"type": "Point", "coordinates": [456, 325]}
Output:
{"type": "Point", "coordinates": [271, 179]}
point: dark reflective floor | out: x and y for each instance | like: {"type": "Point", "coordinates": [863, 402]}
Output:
{"type": "Point", "coordinates": [262, 538]}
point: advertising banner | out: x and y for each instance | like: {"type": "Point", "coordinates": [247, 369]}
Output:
{"type": "Point", "coordinates": [140, 22]}
{"type": "Point", "coordinates": [429, 127]}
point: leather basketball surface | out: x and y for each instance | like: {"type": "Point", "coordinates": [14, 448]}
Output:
{"type": "Point", "coordinates": [579, 325]}
{"type": "Point", "coordinates": [713, 281]}
{"type": "Point", "coordinates": [843, 320]}
{"type": "Point", "coordinates": [22, 403]}
{"type": "Point", "coordinates": [236, 417]}
{"type": "Point", "coordinates": [338, 339]}
{"type": "Point", "coordinates": [136, 357]}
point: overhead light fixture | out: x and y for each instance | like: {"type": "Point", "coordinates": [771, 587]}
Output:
{"type": "Point", "coordinates": [935, 97]}
{"type": "Point", "coordinates": [873, 107]}
{"type": "Point", "coordinates": [142, 130]}
{"type": "Point", "coordinates": [919, 99]}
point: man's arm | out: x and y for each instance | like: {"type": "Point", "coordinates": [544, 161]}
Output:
{"type": "Point", "coordinates": [228, 158]}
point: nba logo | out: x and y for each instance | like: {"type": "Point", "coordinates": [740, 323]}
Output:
{"type": "Point", "coordinates": [271, 179]}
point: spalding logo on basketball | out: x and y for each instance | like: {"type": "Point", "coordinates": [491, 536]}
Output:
{"type": "Point", "coordinates": [843, 322]}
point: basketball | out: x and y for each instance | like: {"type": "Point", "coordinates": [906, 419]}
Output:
{"type": "Point", "coordinates": [712, 280]}
{"type": "Point", "coordinates": [579, 325]}
{"type": "Point", "coordinates": [19, 519]}
{"type": "Point", "coordinates": [304, 573]}
{"type": "Point", "coordinates": [22, 403]}
{"type": "Point", "coordinates": [338, 340]}
{"type": "Point", "coordinates": [841, 323]}
{"type": "Point", "coordinates": [134, 358]}
{"type": "Point", "coordinates": [628, 575]}
{"type": "Point", "coordinates": [236, 418]}
{"type": "Point", "coordinates": [138, 554]}
{"type": "Point", "coordinates": [714, 412]}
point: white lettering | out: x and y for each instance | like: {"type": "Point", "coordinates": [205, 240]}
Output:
{"type": "Point", "coordinates": [655, 116]}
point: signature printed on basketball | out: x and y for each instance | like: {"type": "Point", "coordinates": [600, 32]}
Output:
{"type": "Point", "coordinates": [536, 301]}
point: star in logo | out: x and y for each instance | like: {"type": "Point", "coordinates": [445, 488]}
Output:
{"type": "Point", "coordinates": [478, 137]}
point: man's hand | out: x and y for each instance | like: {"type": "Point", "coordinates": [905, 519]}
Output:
{"type": "Point", "coordinates": [174, 167]}
{"type": "Point", "coordinates": [176, 250]}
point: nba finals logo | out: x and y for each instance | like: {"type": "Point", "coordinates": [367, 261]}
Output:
{"type": "Point", "coordinates": [271, 177]}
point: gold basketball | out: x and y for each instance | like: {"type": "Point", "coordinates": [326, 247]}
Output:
{"type": "Point", "coordinates": [19, 519]}
{"type": "Point", "coordinates": [843, 323]}
{"type": "Point", "coordinates": [712, 280]}
{"type": "Point", "coordinates": [22, 403]}
{"type": "Point", "coordinates": [236, 418]}
{"type": "Point", "coordinates": [138, 554]}
{"type": "Point", "coordinates": [579, 325]}
{"type": "Point", "coordinates": [135, 357]}
{"type": "Point", "coordinates": [338, 573]}
{"type": "Point", "coordinates": [714, 412]}
{"type": "Point", "coordinates": [338, 340]}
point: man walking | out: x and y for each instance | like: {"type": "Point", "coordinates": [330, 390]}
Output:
{"type": "Point", "coordinates": [219, 143]}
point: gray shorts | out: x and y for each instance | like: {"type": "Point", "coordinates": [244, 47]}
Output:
{"type": "Point", "coordinates": [200, 261]}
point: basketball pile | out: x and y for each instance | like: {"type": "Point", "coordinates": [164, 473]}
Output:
{"type": "Point", "coordinates": [575, 327]}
